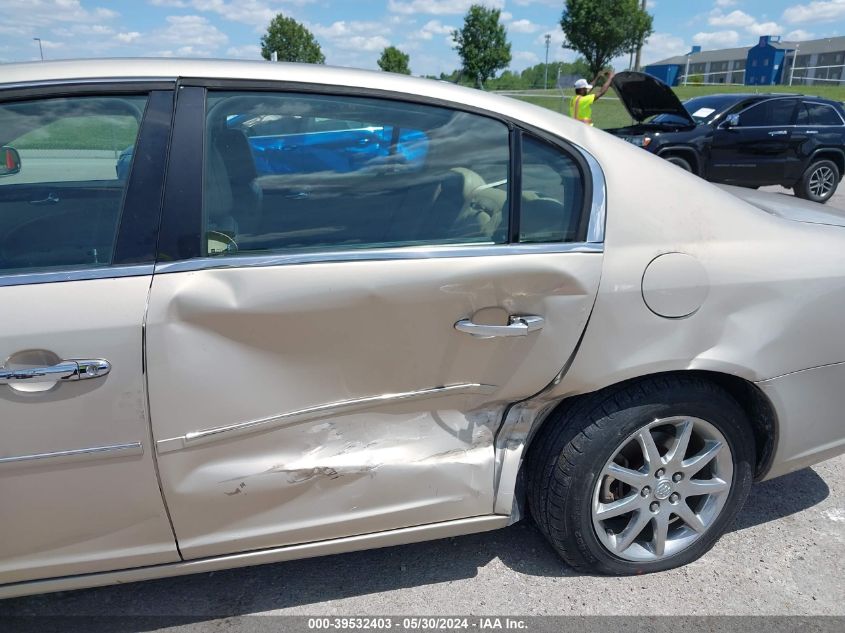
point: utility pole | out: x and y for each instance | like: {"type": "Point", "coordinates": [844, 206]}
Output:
{"type": "Point", "coordinates": [546, 67]}
{"type": "Point", "coordinates": [40, 50]}
{"type": "Point", "coordinates": [640, 46]}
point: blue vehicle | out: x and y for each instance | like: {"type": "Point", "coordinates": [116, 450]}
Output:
{"type": "Point", "coordinates": [278, 147]}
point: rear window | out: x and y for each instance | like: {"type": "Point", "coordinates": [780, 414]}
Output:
{"type": "Point", "coordinates": [818, 114]}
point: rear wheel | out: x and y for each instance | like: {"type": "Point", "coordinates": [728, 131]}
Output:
{"type": "Point", "coordinates": [819, 181]}
{"type": "Point", "coordinates": [683, 163]}
{"type": "Point", "coordinates": [643, 478]}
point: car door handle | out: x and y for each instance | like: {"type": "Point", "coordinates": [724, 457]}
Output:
{"type": "Point", "coordinates": [50, 199]}
{"type": "Point", "coordinates": [778, 133]}
{"type": "Point", "coordinates": [67, 370]}
{"type": "Point", "coordinates": [518, 325]}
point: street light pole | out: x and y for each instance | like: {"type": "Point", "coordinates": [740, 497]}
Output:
{"type": "Point", "coordinates": [794, 61]}
{"type": "Point", "coordinates": [40, 50]}
{"type": "Point", "coordinates": [546, 67]}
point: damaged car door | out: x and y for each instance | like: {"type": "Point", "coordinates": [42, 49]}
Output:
{"type": "Point", "coordinates": [331, 348]}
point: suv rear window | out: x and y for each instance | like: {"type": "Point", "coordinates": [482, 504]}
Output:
{"type": "Point", "coordinates": [818, 114]}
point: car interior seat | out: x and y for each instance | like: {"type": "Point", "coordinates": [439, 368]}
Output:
{"type": "Point", "coordinates": [231, 161]}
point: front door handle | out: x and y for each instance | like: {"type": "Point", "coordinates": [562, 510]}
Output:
{"type": "Point", "coordinates": [778, 133]}
{"type": "Point", "coordinates": [67, 370]}
{"type": "Point", "coordinates": [518, 325]}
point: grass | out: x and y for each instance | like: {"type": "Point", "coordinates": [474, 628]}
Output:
{"type": "Point", "coordinates": [610, 113]}
{"type": "Point", "coordinates": [92, 132]}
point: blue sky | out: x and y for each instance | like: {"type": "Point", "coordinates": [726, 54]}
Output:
{"type": "Point", "coordinates": [353, 32]}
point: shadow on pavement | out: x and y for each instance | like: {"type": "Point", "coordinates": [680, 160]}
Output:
{"type": "Point", "coordinates": [277, 586]}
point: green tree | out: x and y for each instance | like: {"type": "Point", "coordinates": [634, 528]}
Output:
{"type": "Point", "coordinates": [603, 29]}
{"type": "Point", "coordinates": [292, 41]}
{"type": "Point", "coordinates": [482, 43]}
{"type": "Point", "coordinates": [393, 60]}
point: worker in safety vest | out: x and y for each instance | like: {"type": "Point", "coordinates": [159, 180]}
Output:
{"type": "Point", "coordinates": [581, 105]}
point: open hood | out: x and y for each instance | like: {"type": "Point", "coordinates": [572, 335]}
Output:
{"type": "Point", "coordinates": [645, 96]}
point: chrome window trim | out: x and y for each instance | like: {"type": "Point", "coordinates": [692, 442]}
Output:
{"type": "Point", "coordinates": [374, 254]}
{"type": "Point", "coordinates": [290, 418]}
{"type": "Point", "coordinates": [598, 209]}
{"type": "Point", "coordinates": [826, 105]}
{"type": "Point", "coordinates": [92, 81]}
{"type": "Point", "coordinates": [82, 274]}
{"type": "Point", "coordinates": [132, 449]}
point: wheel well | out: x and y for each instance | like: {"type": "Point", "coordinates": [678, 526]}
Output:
{"type": "Point", "coordinates": [837, 157]}
{"type": "Point", "coordinates": [755, 404]}
{"type": "Point", "coordinates": [687, 154]}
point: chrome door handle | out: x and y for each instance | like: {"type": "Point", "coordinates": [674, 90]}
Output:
{"type": "Point", "coordinates": [50, 199]}
{"type": "Point", "coordinates": [67, 370]}
{"type": "Point", "coordinates": [778, 133]}
{"type": "Point", "coordinates": [518, 325]}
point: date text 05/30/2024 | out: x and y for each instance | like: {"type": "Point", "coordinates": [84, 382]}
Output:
{"type": "Point", "coordinates": [484, 623]}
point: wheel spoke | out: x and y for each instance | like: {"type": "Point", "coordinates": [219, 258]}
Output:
{"type": "Point", "coordinates": [632, 530]}
{"type": "Point", "coordinates": [678, 451]}
{"type": "Point", "coordinates": [689, 517]}
{"type": "Point", "coordinates": [633, 478]}
{"type": "Point", "coordinates": [606, 511]}
{"type": "Point", "coordinates": [694, 487]}
{"type": "Point", "coordinates": [695, 463]}
{"type": "Point", "coordinates": [649, 448]}
{"type": "Point", "coordinates": [661, 531]}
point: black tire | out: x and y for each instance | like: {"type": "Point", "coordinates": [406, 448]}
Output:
{"type": "Point", "coordinates": [566, 460]}
{"type": "Point", "coordinates": [805, 188]}
{"type": "Point", "coordinates": [683, 163]}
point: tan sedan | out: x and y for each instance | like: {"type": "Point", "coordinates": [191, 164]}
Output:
{"type": "Point", "coordinates": [256, 312]}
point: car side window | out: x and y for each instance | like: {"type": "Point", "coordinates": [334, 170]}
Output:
{"type": "Point", "coordinates": [552, 194]}
{"type": "Point", "coordinates": [822, 114]}
{"type": "Point", "coordinates": [770, 113]}
{"type": "Point", "coordinates": [65, 163]}
{"type": "Point", "coordinates": [290, 171]}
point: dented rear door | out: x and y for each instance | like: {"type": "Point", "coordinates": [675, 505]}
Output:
{"type": "Point", "coordinates": [320, 356]}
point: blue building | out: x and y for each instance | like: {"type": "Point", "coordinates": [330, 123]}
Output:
{"type": "Point", "coordinates": [768, 63]}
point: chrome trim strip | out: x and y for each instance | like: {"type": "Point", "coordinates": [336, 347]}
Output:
{"type": "Point", "coordinates": [83, 274]}
{"type": "Point", "coordinates": [132, 449]}
{"type": "Point", "coordinates": [195, 438]}
{"type": "Point", "coordinates": [373, 254]}
{"type": "Point", "coordinates": [598, 210]}
{"type": "Point", "coordinates": [47, 83]}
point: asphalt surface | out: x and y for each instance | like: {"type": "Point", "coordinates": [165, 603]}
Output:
{"type": "Point", "coordinates": [785, 555]}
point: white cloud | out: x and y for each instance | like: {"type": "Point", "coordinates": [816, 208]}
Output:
{"type": "Point", "coordinates": [128, 37]}
{"type": "Point", "coordinates": [765, 28]}
{"type": "Point", "coordinates": [169, 3]}
{"type": "Point", "coordinates": [188, 35]}
{"type": "Point", "coordinates": [799, 35]}
{"type": "Point", "coordinates": [353, 35]}
{"type": "Point", "coordinates": [248, 51]}
{"type": "Point", "coordinates": [817, 11]}
{"type": "Point", "coordinates": [438, 7]}
{"type": "Point", "coordinates": [734, 18]}
{"type": "Point", "coordinates": [523, 59]}
{"type": "Point", "coordinates": [662, 45]}
{"type": "Point", "coordinates": [717, 39]}
{"type": "Point", "coordinates": [523, 26]}
{"type": "Point", "coordinates": [26, 15]}
{"type": "Point", "coordinates": [432, 28]}
{"type": "Point", "coordinates": [725, 3]}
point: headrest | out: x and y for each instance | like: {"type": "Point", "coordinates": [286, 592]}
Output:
{"type": "Point", "coordinates": [236, 154]}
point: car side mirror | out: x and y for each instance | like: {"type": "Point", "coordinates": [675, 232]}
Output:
{"type": "Point", "coordinates": [10, 161]}
{"type": "Point", "coordinates": [732, 120]}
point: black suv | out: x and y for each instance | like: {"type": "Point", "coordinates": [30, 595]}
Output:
{"type": "Point", "coordinates": [750, 140]}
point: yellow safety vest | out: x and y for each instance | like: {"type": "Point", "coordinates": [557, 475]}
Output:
{"type": "Point", "coordinates": [581, 108]}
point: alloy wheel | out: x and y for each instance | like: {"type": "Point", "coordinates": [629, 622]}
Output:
{"type": "Point", "coordinates": [662, 489]}
{"type": "Point", "coordinates": [822, 181]}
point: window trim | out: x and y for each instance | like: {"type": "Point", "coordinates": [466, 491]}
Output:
{"type": "Point", "coordinates": [763, 101]}
{"type": "Point", "coordinates": [189, 137]}
{"type": "Point", "coordinates": [124, 263]}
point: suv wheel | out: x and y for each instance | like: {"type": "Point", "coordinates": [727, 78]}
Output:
{"type": "Point", "coordinates": [819, 181]}
{"type": "Point", "coordinates": [641, 478]}
{"type": "Point", "coordinates": [680, 162]}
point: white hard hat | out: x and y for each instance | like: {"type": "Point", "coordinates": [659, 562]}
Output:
{"type": "Point", "coordinates": [582, 83]}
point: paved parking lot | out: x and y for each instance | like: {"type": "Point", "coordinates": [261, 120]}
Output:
{"type": "Point", "coordinates": [783, 556]}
